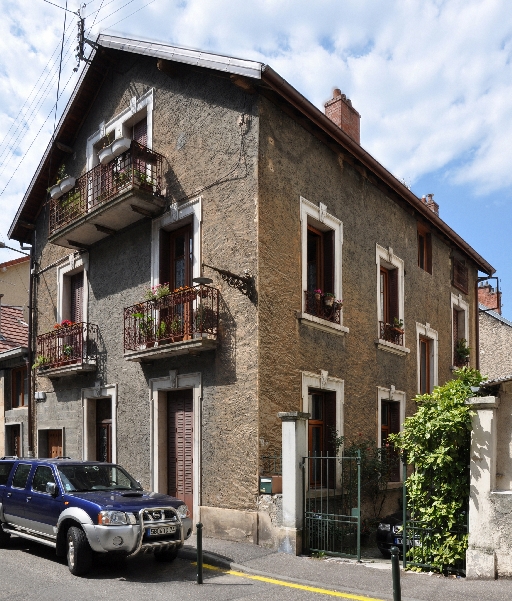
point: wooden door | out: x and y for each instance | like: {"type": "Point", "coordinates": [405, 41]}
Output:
{"type": "Point", "coordinates": [15, 440]}
{"type": "Point", "coordinates": [180, 436]}
{"type": "Point", "coordinates": [321, 428]}
{"type": "Point", "coordinates": [54, 443]}
{"type": "Point", "coordinates": [104, 430]}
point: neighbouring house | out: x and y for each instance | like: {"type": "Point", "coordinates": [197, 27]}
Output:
{"type": "Point", "coordinates": [14, 282]}
{"type": "Point", "coordinates": [495, 335]}
{"type": "Point", "coordinates": [13, 381]}
{"type": "Point", "coordinates": [223, 278]}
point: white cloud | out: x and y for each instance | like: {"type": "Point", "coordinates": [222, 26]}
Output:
{"type": "Point", "coordinates": [431, 79]}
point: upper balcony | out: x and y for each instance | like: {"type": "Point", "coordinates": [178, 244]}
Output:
{"type": "Point", "coordinates": [181, 322]}
{"type": "Point", "coordinates": [68, 349]}
{"type": "Point", "coordinates": [109, 197]}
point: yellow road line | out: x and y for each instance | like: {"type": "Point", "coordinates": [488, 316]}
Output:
{"type": "Point", "coordinates": [302, 587]}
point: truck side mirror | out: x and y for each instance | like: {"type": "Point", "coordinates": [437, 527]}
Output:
{"type": "Point", "coordinates": [51, 489]}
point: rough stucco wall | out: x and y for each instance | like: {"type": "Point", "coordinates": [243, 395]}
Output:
{"type": "Point", "coordinates": [14, 280]}
{"type": "Point", "coordinates": [294, 163]}
{"type": "Point", "coordinates": [495, 346]}
{"type": "Point", "coordinates": [196, 127]}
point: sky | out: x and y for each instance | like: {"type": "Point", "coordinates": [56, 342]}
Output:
{"type": "Point", "coordinates": [432, 80]}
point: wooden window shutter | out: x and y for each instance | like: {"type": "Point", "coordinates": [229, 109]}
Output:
{"type": "Point", "coordinates": [460, 276]}
{"type": "Point", "coordinates": [394, 418]}
{"type": "Point", "coordinates": [328, 248]}
{"type": "Point", "coordinates": [77, 297]}
{"type": "Point", "coordinates": [140, 132]}
{"type": "Point", "coordinates": [428, 266]}
{"type": "Point", "coordinates": [393, 294]}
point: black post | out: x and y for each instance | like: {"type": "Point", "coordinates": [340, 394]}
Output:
{"type": "Point", "coordinates": [199, 553]}
{"type": "Point", "coordinates": [395, 569]}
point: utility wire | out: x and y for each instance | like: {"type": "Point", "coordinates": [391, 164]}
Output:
{"type": "Point", "coordinates": [135, 11]}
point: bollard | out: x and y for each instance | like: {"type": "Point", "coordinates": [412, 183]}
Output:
{"type": "Point", "coordinates": [199, 527]}
{"type": "Point", "coordinates": [395, 570]}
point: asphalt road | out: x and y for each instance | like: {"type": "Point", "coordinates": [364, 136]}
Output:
{"type": "Point", "coordinates": [32, 572]}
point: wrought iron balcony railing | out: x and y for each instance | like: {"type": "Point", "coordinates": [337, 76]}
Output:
{"type": "Point", "coordinates": [137, 168]}
{"type": "Point", "coordinates": [72, 345]}
{"type": "Point", "coordinates": [323, 306]}
{"type": "Point", "coordinates": [391, 333]}
{"type": "Point", "coordinates": [181, 315]}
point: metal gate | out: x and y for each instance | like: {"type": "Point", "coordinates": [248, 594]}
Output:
{"type": "Point", "coordinates": [418, 539]}
{"type": "Point", "coordinates": [332, 505]}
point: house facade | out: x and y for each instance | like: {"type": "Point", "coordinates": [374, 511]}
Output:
{"type": "Point", "coordinates": [215, 252]}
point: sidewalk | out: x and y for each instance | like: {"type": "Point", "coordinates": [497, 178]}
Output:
{"type": "Point", "coordinates": [372, 577]}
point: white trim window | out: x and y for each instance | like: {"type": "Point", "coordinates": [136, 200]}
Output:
{"type": "Point", "coordinates": [67, 295]}
{"type": "Point", "coordinates": [321, 279]}
{"type": "Point", "coordinates": [427, 358]}
{"type": "Point", "coordinates": [391, 416]}
{"type": "Point", "coordinates": [390, 301]}
{"type": "Point", "coordinates": [122, 124]}
{"type": "Point", "coordinates": [460, 328]}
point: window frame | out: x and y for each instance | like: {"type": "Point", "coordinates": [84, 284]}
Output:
{"type": "Point", "coordinates": [424, 237]}
{"type": "Point", "coordinates": [386, 395]}
{"type": "Point", "coordinates": [461, 306]}
{"type": "Point", "coordinates": [460, 272]}
{"type": "Point", "coordinates": [317, 218]}
{"type": "Point", "coordinates": [24, 374]}
{"type": "Point", "coordinates": [425, 332]}
{"type": "Point", "coordinates": [76, 263]}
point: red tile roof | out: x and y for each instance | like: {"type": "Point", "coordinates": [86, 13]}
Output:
{"type": "Point", "coordinates": [13, 330]}
{"type": "Point", "coordinates": [14, 262]}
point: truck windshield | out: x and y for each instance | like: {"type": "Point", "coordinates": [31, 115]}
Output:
{"type": "Point", "coordinates": [84, 478]}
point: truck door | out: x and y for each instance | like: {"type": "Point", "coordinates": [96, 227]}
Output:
{"type": "Point", "coordinates": [42, 510]}
{"type": "Point", "coordinates": [15, 497]}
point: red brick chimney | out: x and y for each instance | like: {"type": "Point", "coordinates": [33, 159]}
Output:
{"type": "Point", "coordinates": [340, 110]}
{"type": "Point", "coordinates": [431, 203]}
{"type": "Point", "coordinates": [489, 297]}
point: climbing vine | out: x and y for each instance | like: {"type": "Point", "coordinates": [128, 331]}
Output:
{"type": "Point", "coordinates": [437, 440]}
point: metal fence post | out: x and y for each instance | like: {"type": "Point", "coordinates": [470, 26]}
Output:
{"type": "Point", "coordinates": [358, 505]}
{"type": "Point", "coordinates": [404, 510]}
{"type": "Point", "coordinates": [199, 527]}
{"type": "Point", "coordinates": [395, 569]}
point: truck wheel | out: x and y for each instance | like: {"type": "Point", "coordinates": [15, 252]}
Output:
{"type": "Point", "coordinates": [166, 556]}
{"type": "Point", "coordinates": [79, 552]}
{"type": "Point", "coordinates": [4, 538]}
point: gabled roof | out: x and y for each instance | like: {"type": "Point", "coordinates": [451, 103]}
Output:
{"type": "Point", "coordinates": [13, 330]}
{"type": "Point", "coordinates": [15, 262]}
{"type": "Point", "coordinates": [261, 77]}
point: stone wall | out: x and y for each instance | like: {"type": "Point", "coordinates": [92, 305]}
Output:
{"type": "Point", "coordinates": [495, 345]}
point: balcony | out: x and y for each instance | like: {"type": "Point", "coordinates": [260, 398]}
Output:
{"type": "Point", "coordinates": [67, 350]}
{"type": "Point", "coordinates": [323, 306]}
{"type": "Point", "coordinates": [108, 198]}
{"type": "Point", "coordinates": [185, 321]}
{"type": "Point", "coordinates": [391, 333]}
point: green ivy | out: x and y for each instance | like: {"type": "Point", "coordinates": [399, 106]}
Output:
{"type": "Point", "coordinates": [437, 442]}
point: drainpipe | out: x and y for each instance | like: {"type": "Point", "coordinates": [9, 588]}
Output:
{"type": "Point", "coordinates": [30, 358]}
{"type": "Point", "coordinates": [477, 326]}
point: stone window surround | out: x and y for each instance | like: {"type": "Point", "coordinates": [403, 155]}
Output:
{"type": "Point", "coordinates": [324, 382]}
{"type": "Point", "coordinates": [158, 387]}
{"type": "Point", "coordinates": [75, 263]}
{"type": "Point", "coordinates": [319, 218]}
{"type": "Point", "coordinates": [176, 217]}
{"type": "Point", "coordinates": [385, 257]}
{"type": "Point", "coordinates": [457, 302]}
{"type": "Point", "coordinates": [426, 331]}
{"type": "Point", "coordinates": [20, 424]}
{"type": "Point", "coordinates": [137, 110]}
{"type": "Point", "coordinates": [89, 396]}
{"type": "Point", "coordinates": [390, 394]}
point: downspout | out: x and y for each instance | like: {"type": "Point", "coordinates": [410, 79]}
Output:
{"type": "Point", "coordinates": [30, 358]}
{"type": "Point", "coordinates": [477, 327]}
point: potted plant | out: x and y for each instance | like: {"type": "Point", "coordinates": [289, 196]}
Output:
{"type": "Point", "coordinates": [145, 323]}
{"type": "Point", "coordinates": [318, 294]}
{"type": "Point", "coordinates": [120, 145]}
{"type": "Point", "coordinates": [338, 304]}
{"type": "Point", "coordinates": [157, 292]}
{"type": "Point", "coordinates": [175, 328]}
{"type": "Point", "coordinates": [329, 299]}
{"type": "Point", "coordinates": [398, 325]}
{"type": "Point", "coordinates": [105, 154]}
{"type": "Point", "coordinates": [144, 180]}
{"type": "Point", "coordinates": [63, 184]}
{"type": "Point", "coordinates": [41, 362]}
{"type": "Point", "coordinates": [462, 352]}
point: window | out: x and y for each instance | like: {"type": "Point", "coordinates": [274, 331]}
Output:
{"type": "Point", "coordinates": [72, 288]}
{"type": "Point", "coordinates": [427, 358]}
{"type": "Point", "coordinates": [390, 301]}
{"type": "Point", "coordinates": [391, 415]}
{"type": "Point", "coordinates": [322, 239]}
{"type": "Point", "coordinates": [21, 475]}
{"type": "Point", "coordinates": [424, 249]}
{"type": "Point", "coordinates": [176, 256]}
{"type": "Point", "coordinates": [460, 277]}
{"type": "Point", "coordinates": [460, 330]}
{"type": "Point", "coordinates": [5, 470]}
{"type": "Point", "coordinates": [19, 389]}
{"type": "Point", "coordinates": [321, 429]}
{"type": "Point", "coordinates": [42, 476]}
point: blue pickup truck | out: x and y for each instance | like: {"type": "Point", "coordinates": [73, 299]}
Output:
{"type": "Point", "coordinates": [85, 507]}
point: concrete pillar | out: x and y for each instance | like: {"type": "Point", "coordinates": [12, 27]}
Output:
{"type": "Point", "coordinates": [295, 448]}
{"type": "Point", "coordinates": [481, 555]}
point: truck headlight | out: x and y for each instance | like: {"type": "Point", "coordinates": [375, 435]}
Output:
{"type": "Point", "coordinates": [112, 518]}
{"type": "Point", "coordinates": [182, 511]}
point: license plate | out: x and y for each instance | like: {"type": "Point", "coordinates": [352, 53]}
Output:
{"type": "Point", "coordinates": [410, 543]}
{"type": "Point", "coordinates": [161, 530]}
